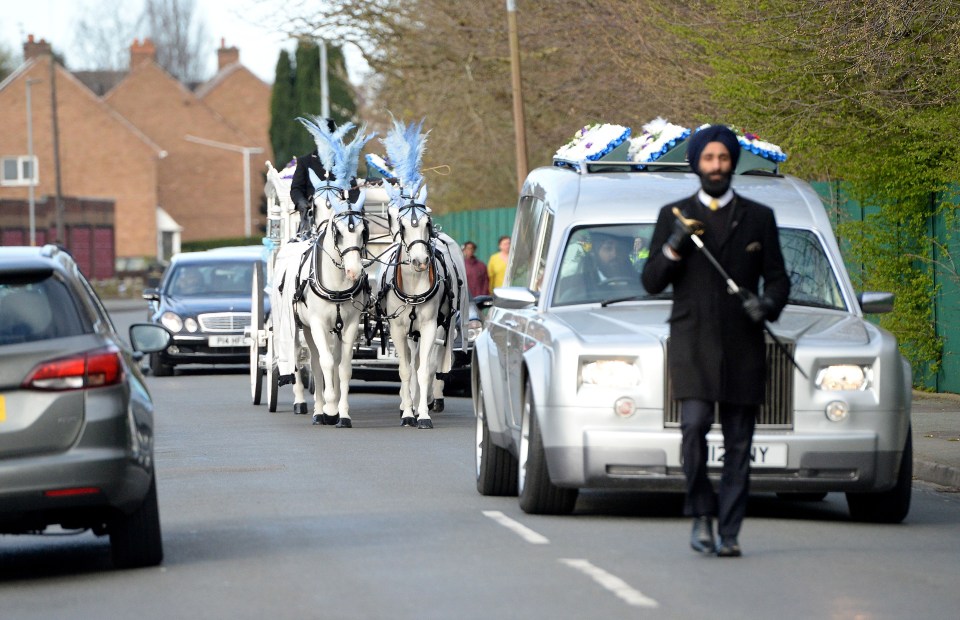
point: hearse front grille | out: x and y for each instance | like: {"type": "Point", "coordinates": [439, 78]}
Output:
{"type": "Point", "coordinates": [777, 409]}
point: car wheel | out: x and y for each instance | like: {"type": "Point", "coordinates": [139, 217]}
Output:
{"type": "Point", "coordinates": [135, 539]}
{"type": "Point", "coordinates": [887, 506]}
{"type": "Point", "coordinates": [158, 368]}
{"type": "Point", "coordinates": [538, 495]}
{"type": "Point", "coordinates": [496, 467]}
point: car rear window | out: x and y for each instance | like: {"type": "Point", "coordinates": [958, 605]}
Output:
{"type": "Point", "coordinates": [37, 310]}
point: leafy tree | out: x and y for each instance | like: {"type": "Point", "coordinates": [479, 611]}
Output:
{"type": "Point", "coordinates": [7, 62]}
{"type": "Point", "coordinates": [282, 111]}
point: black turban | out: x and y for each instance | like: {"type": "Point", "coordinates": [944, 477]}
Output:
{"type": "Point", "coordinates": [713, 133]}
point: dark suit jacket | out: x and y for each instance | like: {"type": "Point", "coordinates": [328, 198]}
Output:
{"type": "Point", "coordinates": [301, 189]}
{"type": "Point", "coordinates": [716, 352]}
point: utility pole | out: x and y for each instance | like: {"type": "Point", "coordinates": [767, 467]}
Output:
{"type": "Point", "coordinates": [324, 83]}
{"type": "Point", "coordinates": [33, 165]}
{"type": "Point", "coordinates": [247, 151]}
{"type": "Point", "coordinates": [61, 237]}
{"type": "Point", "coordinates": [519, 125]}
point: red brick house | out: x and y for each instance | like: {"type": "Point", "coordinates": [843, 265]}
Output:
{"type": "Point", "coordinates": [130, 146]}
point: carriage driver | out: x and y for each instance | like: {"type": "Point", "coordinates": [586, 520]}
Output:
{"type": "Point", "coordinates": [302, 190]}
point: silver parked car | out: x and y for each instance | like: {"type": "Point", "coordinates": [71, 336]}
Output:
{"type": "Point", "coordinates": [76, 420]}
{"type": "Point", "coordinates": [570, 382]}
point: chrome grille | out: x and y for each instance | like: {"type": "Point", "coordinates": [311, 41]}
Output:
{"type": "Point", "coordinates": [224, 321]}
{"type": "Point", "coordinates": [777, 409]}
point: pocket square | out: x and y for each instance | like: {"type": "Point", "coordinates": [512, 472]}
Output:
{"type": "Point", "coordinates": [756, 246]}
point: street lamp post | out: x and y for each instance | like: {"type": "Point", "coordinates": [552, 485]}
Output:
{"type": "Point", "coordinates": [247, 151]}
{"type": "Point", "coordinates": [33, 168]}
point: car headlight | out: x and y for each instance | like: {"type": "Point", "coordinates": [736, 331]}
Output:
{"type": "Point", "coordinates": [191, 325]}
{"type": "Point", "coordinates": [171, 321]}
{"type": "Point", "coordinates": [474, 328]}
{"type": "Point", "coordinates": [844, 377]}
{"type": "Point", "coordinates": [610, 373]}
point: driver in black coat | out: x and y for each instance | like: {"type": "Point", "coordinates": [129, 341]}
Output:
{"type": "Point", "coordinates": [717, 358]}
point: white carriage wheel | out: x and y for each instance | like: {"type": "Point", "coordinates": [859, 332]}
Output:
{"type": "Point", "coordinates": [256, 325]}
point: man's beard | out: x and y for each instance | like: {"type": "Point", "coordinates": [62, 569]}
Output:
{"type": "Point", "coordinates": [716, 187]}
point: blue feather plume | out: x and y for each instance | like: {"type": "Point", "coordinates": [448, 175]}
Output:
{"type": "Point", "coordinates": [346, 157]}
{"type": "Point", "coordinates": [317, 126]}
{"type": "Point", "coordinates": [405, 145]}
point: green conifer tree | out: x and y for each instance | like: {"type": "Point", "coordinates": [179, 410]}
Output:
{"type": "Point", "coordinates": [283, 111]}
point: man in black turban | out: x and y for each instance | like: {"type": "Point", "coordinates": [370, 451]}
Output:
{"type": "Point", "coordinates": [717, 351]}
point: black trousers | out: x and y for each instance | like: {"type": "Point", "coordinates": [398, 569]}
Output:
{"type": "Point", "coordinates": [729, 504]}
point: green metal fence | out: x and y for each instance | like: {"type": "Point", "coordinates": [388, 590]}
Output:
{"type": "Point", "coordinates": [484, 227]}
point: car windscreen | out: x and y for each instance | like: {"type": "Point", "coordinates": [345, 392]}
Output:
{"type": "Point", "coordinates": [602, 264]}
{"type": "Point", "coordinates": [214, 279]}
{"type": "Point", "coordinates": [38, 310]}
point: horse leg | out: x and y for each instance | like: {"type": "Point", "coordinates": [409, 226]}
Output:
{"type": "Point", "coordinates": [436, 402]}
{"type": "Point", "coordinates": [404, 368]}
{"type": "Point", "coordinates": [328, 414]}
{"type": "Point", "coordinates": [299, 400]}
{"type": "Point", "coordinates": [425, 371]}
{"type": "Point", "coordinates": [345, 369]}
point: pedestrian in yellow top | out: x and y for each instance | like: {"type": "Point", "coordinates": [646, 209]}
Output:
{"type": "Point", "coordinates": [497, 265]}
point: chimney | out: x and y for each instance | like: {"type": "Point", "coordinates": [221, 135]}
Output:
{"type": "Point", "coordinates": [142, 52]}
{"type": "Point", "coordinates": [32, 49]}
{"type": "Point", "coordinates": [226, 56]}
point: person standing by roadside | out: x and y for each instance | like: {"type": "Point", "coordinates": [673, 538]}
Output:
{"type": "Point", "coordinates": [717, 346]}
{"type": "Point", "coordinates": [477, 280]}
{"type": "Point", "coordinates": [497, 265]}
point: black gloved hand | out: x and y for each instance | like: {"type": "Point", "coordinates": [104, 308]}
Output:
{"type": "Point", "coordinates": [757, 308]}
{"type": "Point", "coordinates": [302, 206]}
{"type": "Point", "coordinates": [679, 240]}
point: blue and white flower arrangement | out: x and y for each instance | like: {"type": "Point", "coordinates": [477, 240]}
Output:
{"type": "Point", "coordinates": [592, 142]}
{"type": "Point", "coordinates": [658, 137]}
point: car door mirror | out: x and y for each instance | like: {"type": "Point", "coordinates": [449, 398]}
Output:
{"type": "Point", "coordinates": [483, 301]}
{"type": "Point", "coordinates": [876, 303]}
{"type": "Point", "coordinates": [514, 297]}
{"type": "Point", "coordinates": [151, 294]}
{"type": "Point", "coordinates": [149, 337]}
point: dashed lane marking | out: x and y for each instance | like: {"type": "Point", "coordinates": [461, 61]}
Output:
{"type": "Point", "coordinates": [612, 583]}
{"type": "Point", "coordinates": [517, 528]}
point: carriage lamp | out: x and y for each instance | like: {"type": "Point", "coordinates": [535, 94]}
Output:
{"type": "Point", "coordinates": [837, 410]}
{"type": "Point", "coordinates": [171, 321]}
{"type": "Point", "coordinates": [191, 325]}
{"type": "Point", "coordinates": [844, 377]}
{"type": "Point", "coordinates": [610, 373]}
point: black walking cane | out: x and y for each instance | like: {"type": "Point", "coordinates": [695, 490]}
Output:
{"type": "Point", "coordinates": [692, 224]}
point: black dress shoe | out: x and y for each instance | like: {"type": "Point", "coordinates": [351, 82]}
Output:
{"type": "Point", "coordinates": [729, 547]}
{"type": "Point", "coordinates": [701, 537]}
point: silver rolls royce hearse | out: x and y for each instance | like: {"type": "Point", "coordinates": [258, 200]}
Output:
{"type": "Point", "coordinates": [570, 382]}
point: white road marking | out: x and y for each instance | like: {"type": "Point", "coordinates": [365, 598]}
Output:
{"type": "Point", "coordinates": [517, 528]}
{"type": "Point", "coordinates": [611, 582]}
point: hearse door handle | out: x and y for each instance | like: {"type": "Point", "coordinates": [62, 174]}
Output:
{"type": "Point", "coordinates": [511, 323]}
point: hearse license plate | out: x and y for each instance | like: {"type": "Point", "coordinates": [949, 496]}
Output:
{"type": "Point", "coordinates": [236, 340]}
{"type": "Point", "coordinates": [761, 454]}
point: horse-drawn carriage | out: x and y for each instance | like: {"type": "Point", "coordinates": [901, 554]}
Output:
{"type": "Point", "coordinates": [324, 309]}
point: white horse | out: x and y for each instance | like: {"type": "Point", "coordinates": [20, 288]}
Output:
{"type": "Point", "coordinates": [330, 292]}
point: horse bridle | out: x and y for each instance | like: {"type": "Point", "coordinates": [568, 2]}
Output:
{"type": "Point", "coordinates": [416, 212]}
{"type": "Point", "coordinates": [353, 218]}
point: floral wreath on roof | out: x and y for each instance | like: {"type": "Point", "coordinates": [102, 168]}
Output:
{"type": "Point", "coordinates": [657, 139]}
{"type": "Point", "coordinates": [752, 142]}
{"type": "Point", "coordinates": [592, 142]}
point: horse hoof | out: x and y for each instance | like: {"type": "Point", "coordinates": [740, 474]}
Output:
{"type": "Point", "coordinates": [300, 408]}
{"type": "Point", "coordinates": [436, 406]}
{"type": "Point", "coordinates": [284, 380]}
{"type": "Point", "coordinates": [425, 424]}
{"type": "Point", "coordinates": [329, 420]}
{"type": "Point", "coordinates": [408, 421]}
{"type": "Point", "coordinates": [344, 423]}
{"type": "Point", "coordinates": [317, 419]}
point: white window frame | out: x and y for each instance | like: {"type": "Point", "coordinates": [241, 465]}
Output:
{"type": "Point", "coordinates": [21, 180]}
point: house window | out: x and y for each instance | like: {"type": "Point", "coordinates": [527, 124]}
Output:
{"type": "Point", "coordinates": [21, 170]}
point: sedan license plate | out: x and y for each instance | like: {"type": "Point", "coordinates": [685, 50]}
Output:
{"type": "Point", "coordinates": [761, 455]}
{"type": "Point", "coordinates": [390, 354]}
{"type": "Point", "coordinates": [236, 340]}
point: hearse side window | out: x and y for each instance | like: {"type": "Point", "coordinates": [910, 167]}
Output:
{"type": "Point", "coordinates": [523, 246]}
{"type": "Point", "coordinates": [812, 279]}
{"type": "Point", "coordinates": [540, 252]}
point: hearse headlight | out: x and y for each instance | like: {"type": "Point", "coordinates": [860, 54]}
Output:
{"type": "Point", "coordinates": [610, 373]}
{"type": "Point", "coordinates": [191, 325]}
{"type": "Point", "coordinates": [844, 377]}
{"type": "Point", "coordinates": [171, 321]}
{"type": "Point", "coordinates": [474, 328]}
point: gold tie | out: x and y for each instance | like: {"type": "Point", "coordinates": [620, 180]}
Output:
{"type": "Point", "coordinates": [714, 204]}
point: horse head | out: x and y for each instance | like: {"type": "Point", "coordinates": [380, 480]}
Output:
{"type": "Point", "coordinates": [348, 234]}
{"type": "Point", "coordinates": [414, 232]}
